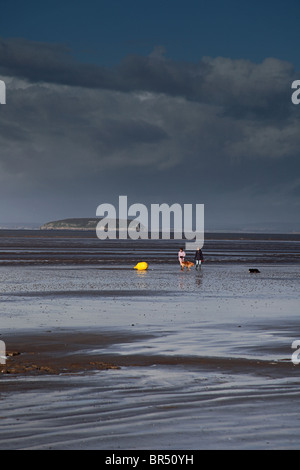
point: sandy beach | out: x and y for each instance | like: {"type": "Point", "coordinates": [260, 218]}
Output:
{"type": "Point", "coordinates": [105, 357]}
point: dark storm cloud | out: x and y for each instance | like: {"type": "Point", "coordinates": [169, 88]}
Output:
{"type": "Point", "coordinates": [52, 63]}
{"type": "Point", "coordinates": [220, 130]}
{"type": "Point", "coordinates": [245, 88]}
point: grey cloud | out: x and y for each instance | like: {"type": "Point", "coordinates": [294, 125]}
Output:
{"type": "Point", "coordinates": [218, 131]}
{"type": "Point", "coordinates": [52, 63]}
{"type": "Point", "coordinates": [243, 87]}
{"type": "Point", "coordinates": [44, 62]}
{"type": "Point", "coordinates": [131, 131]}
{"type": "Point", "coordinates": [64, 132]}
{"type": "Point", "coordinates": [46, 127]}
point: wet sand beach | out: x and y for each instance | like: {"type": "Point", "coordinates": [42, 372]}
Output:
{"type": "Point", "coordinates": [101, 356]}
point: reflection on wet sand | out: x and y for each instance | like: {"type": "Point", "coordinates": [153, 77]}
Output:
{"type": "Point", "coordinates": [102, 356]}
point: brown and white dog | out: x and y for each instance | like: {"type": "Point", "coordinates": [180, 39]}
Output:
{"type": "Point", "coordinates": [186, 264]}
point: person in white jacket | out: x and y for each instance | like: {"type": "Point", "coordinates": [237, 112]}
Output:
{"type": "Point", "coordinates": [181, 256]}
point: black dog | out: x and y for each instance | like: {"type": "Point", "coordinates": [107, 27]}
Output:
{"type": "Point", "coordinates": [254, 271]}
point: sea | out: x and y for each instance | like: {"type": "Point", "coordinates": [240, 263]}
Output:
{"type": "Point", "coordinates": [72, 247]}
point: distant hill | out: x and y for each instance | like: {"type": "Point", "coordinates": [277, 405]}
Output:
{"type": "Point", "coordinates": [71, 224]}
{"type": "Point", "coordinates": [75, 224]}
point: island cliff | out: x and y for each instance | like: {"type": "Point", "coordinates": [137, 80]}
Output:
{"type": "Point", "coordinates": [75, 224]}
{"type": "Point", "coordinates": [71, 224]}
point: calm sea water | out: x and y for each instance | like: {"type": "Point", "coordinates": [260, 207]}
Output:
{"type": "Point", "coordinates": [77, 247]}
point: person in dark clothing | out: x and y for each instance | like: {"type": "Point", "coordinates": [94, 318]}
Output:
{"type": "Point", "coordinates": [198, 258]}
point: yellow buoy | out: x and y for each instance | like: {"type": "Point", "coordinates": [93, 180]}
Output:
{"type": "Point", "coordinates": [141, 266]}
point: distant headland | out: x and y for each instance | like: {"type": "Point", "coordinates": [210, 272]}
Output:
{"type": "Point", "coordinates": [75, 224]}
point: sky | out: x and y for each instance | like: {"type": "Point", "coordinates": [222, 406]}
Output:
{"type": "Point", "coordinates": [164, 102]}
